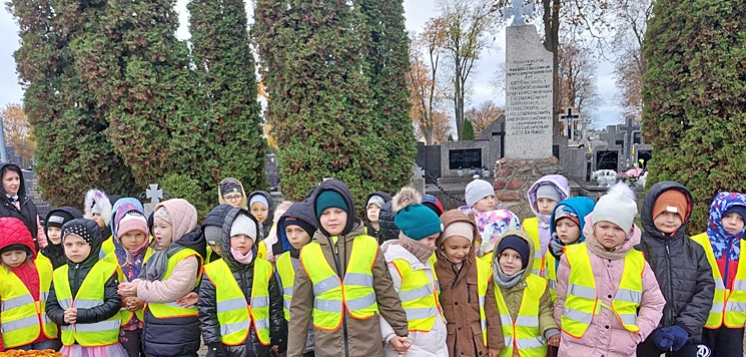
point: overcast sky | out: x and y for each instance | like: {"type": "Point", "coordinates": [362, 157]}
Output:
{"type": "Point", "coordinates": [417, 13]}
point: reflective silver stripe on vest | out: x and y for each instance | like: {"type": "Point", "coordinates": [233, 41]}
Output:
{"type": "Point", "coordinates": [717, 308]}
{"type": "Point", "coordinates": [325, 285]}
{"type": "Point", "coordinates": [509, 342]}
{"type": "Point", "coordinates": [527, 321]}
{"type": "Point", "coordinates": [739, 285]}
{"type": "Point", "coordinates": [361, 303]}
{"type": "Point", "coordinates": [87, 304]}
{"type": "Point", "coordinates": [45, 319]}
{"type": "Point", "coordinates": [262, 324]}
{"type": "Point", "coordinates": [228, 329]}
{"type": "Point", "coordinates": [421, 313]}
{"type": "Point", "coordinates": [259, 302]}
{"type": "Point", "coordinates": [232, 304]}
{"type": "Point", "coordinates": [288, 291]}
{"type": "Point", "coordinates": [735, 306]}
{"type": "Point", "coordinates": [286, 303]}
{"type": "Point", "coordinates": [415, 294]}
{"type": "Point", "coordinates": [506, 320]}
{"type": "Point", "coordinates": [358, 279]}
{"type": "Point", "coordinates": [173, 304]}
{"type": "Point", "coordinates": [629, 296]}
{"type": "Point", "coordinates": [65, 303]}
{"type": "Point", "coordinates": [581, 291]}
{"type": "Point", "coordinates": [19, 324]}
{"type": "Point", "coordinates": [719, 284]}
{"type": "Point", "coordinates": [529, 343]}
{"type": "Point", "coordinates": [578, 316]}
{"type": "Point", "coordinates": [67, 328]}
{"type": "Point", "coordinates": [17, 302]}
{"type": "Point", "coordinates": [327, 305]}
{"type": "Point", "coordinates": [43, 296]}
{"type": "Point", "coordinates": [553, 284]}
{"type": "Point", "coordinates": [628, 319]}
{"type": "Point", "coordinates": [99, 326]}
{"type": "Point", "coordinates": [482, 321]}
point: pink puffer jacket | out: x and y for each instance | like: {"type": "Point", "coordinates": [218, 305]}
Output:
{"type": "Point", "coordinates": [606, 337]}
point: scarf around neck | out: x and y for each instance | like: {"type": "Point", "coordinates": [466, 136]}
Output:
{"type": "Point", "coordinates": [157, 265]}
{"type": "Point", "coordinates": [505, 281]}
{"type": "Point", "coordinates": [421, 251]}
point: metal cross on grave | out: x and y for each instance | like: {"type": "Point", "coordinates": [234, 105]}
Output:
{"type": "Point", "coordinates": [517, 13]}
{"type": "Point", "coordinates": [418, 172]}
{"type": "Point", "coordinates": [154, 194]}
{"type": "Point", "coordinates": [629, 131]}
{"type": "Point", "coordinates": [570, 118]}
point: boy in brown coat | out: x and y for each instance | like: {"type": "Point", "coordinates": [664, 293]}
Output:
{"type": "Point", "coordinates": [463, 280]}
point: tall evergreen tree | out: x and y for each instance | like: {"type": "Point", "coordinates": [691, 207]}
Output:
{"type": "Point", "coordinates": [387, 63]}
{"type": "Point", "coordinates": [319, 101]}
{"type": "Point", "coordinates": [695, 98]}
{"type": "Point", "coordinates": [226, 70]}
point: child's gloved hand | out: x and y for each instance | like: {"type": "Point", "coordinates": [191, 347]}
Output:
{"type": "Point", "coordinates": [680, 336]}
{"type": "Point", "coordinates": [662, 339]}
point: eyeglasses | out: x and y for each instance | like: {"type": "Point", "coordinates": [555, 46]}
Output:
{"type": "Point", "coordinates": [233, 198]}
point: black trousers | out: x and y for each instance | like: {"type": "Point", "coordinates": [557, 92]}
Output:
{"type": "Point", "coordinates": [648, 349]}
{"type": "Point", "coordinates": [724, 342]}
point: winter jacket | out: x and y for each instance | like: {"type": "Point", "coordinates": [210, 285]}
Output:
{"type": "Point", "coordinates": [387, 229]}
{"type": "Point", "coordinates": [542, 221]}
{"type": "Point", "coordinates": [725, 246]}
{"type": "Point", "coordinates": [174, 336]}
{"type": "Point", "coordinates": [681, 267]}
{"type": "Point", "coordinates": [244, 203]}
{"type": "Point", "coordinates": [459, 298]}
{"type": "Point", "coordinates": [513, 296]}
{"type": "Point", "coordinates": [244, 276]}
{"type": "Point", "coordinates": [76, 274]}
{"type": "Point", "coordinates": [361, 337]}
{"type": "Point", "coordinates": [424, 344]}
{"type": "Point", "coordinates": [606, 336]}
{"type": "Point", "coordinates": [23, 209]}
{"type": "Point", "coordinates": [56, 253]}
{"type": "Point", "coordinates": [372, 231]}
{"type": "Point", "coordinates": [582, 206]}
{"type": "Point", "coordinates": [267, 224]}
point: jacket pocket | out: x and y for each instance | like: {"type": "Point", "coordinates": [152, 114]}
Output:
{"type": "Point", "coordinates": [476, 330]}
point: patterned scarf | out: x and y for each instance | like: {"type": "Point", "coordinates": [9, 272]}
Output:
{"type": "Point", "coordinates": [721, 240]}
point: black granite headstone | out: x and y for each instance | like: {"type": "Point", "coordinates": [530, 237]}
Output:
{"type": "Point", "coordinates": [34, 194]}
{"type": "Point", "coordinates": [464, 158]}
{"type": "Point", "coordinates": [607, 160]}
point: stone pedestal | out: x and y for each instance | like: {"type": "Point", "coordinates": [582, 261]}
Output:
{"type": "Point", "coordinates": [514, 177]}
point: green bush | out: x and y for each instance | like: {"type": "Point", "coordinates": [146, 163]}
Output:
{"type": "Point", "coordinates": [182, 186]}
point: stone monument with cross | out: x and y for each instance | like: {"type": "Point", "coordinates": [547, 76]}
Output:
{"type": "Point", "coordinates": [154, 194]}
{"type": "Point", "coordinates": [629, 129]}
{"type": "Point", "coordinates": [418, 179]}
{"type": "Point", "coordinates": [570, 119]}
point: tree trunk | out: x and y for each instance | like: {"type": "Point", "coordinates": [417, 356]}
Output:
{"type": "Point", "coordinates": [551, 43]}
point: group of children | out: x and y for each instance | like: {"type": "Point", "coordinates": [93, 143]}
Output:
{"type": "Point", "coordinates": [309, 278]}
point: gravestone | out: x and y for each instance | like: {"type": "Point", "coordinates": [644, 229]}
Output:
{"type": "Point", "coordinates": [464, 158]}
{"type": "Point", "coordinates": [607, 160]}
{"type": "Point", "coordinates": [271, 172]}
{"type": "Point", "coordinates": [154, 194]}
{"type": "Point", "coordinates": [464, 155]}
{"type": "Point", "coordinates": [418, 179]}
{"type": "Point", "coordinates": [31, 182]}
{"type": "Point", "coordinates": [570, 120]}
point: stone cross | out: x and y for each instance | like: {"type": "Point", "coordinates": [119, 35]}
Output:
{"type": "Point", "coordinates": [570, 119]}
{"type": "Point", "coordinates": [154, 194]}
{"type": "Point", "coordinates": [418, 172]}
{"type": "Point", "coordinates": [629, 132]}
{"type": "Point", "coordinates": [418, 181]}
{"type": "Point", "coordinates": [517, 13]}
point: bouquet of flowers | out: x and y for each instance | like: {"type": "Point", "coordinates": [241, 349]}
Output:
{"type": "Point", "coordinates": [19, 353]}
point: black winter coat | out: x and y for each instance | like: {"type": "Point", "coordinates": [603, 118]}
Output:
{"type": "Point", "coordinates": [56, 253]}
{"type": "Point", "coordinates": [27, 213]}
{"type": "Point", "coordinates": [388, 229]}
{"type": "Point", "coordinates": [76, 275]}
{"type": "Point", "coordinates": [681, 267]}
{"type": "Point", "coordinates": [244, 275]}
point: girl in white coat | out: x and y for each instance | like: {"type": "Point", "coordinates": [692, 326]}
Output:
{"type": "Point", "coordinates": [410, 260]}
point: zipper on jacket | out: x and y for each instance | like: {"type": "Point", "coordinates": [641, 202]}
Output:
{"type": "Point", "coordinates": [670, 317]}
{"type": "Point", "coordinates": [76, 277]}
{"type": "Point", "coordinates": [727, 263]}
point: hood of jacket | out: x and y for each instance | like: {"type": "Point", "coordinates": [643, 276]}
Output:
{"type": "Point", "coordinates": [67, 211]}
{"type": "Point", "coordinates": [719, 237]}
{"type": "Point", "coordinates": [92, 228]}
{"type": "Point", "coordinates": [632, 239]}
{"type": "Point", "coordinates": [386, 198]}
{"type": "Point", "coordinates": [342, 189]}
{"type": "Point", "coordinates": [560, 184]}
{"type": "Point", "coordinates": [244, 203]}
{"type": "Point", "coordinates": [523, 235]}
{"type": "Point", "coordinates": [183, 217]}
{"type": "Point", "coordinates": [270, 209]}
{"type": "Point", "coordinates": [583, 206]}
{"type": "Point", "coordinates": [22, 187]}
{"type": "Point", "coordinates": [393, 250]}
{"type": "Point", "coordinates": [434, 204]}
{"type": "Point", "coordinates": [122, 207]}
{"type": "Point", "coordinates": [646, 215]}
{"type": "Point", "coordinates": [97, 198]}
{"type": "Point", "coordinates": [13, 231]}
{"type": "Point", "coordinates": [301, 211]}
{"type": "Point", "coordinates": [216, 216]}
{"type": "Point", "coordinates": [450, 217]}
{"type": "Point", "coordinates": [225, 238]}
{"type": "Point", "coordinates": [387, 228]}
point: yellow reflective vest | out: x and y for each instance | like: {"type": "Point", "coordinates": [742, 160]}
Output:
{"type": "Point", "coordinates": [332, 294]}
{"type": "Point", "coordinates": [551, 274]}
{"type": "Point", "coordinates": [234, 314]}
{"type": "Point", "coordinates": [22, 318]}
{"type": "Point", "coordinates": [524, 333]}
{"type": "Point", "coordinates": [286, 275]}
{"type": "Point", "coordinates": [531, 227]}
{"type": "Point", "coordinates": [90, 294]}
{"type": "Point", "coordinates": [728, 306]}
{"type": "Point", "coordinates": [419, 294]}
{"type": "Point", "coordinates": [172, 309]}
{"type": "Point", "coordinates": [582, 302]}
{"type": "Point", "coordinates": [126, 314]}
{"type": "Point", "coordinates": [108, 245]}
{"type": "Point", "coordinates": [484, 277]}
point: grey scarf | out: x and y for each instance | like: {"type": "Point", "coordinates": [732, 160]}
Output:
{"type": "Point", "coordinates": [157, 265]}
{"type": "Point", "coordinates": [505, 281]}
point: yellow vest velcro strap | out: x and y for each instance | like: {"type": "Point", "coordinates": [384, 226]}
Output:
{"type": "Point", "coordinates": [233, 304]}
{"type": "Point", "coordinates": [738, 284]}
{"type": "Point", "coordinates": [19, 324]}
{"type": "Point", "coordinates": [735, 306]}
{"type": "Point", "coordinates": [228, 329]}
{"type": "Point", "coordinates": [358, 279]}
{"type": "Point", "coordinates": [87, 304]}
{"type": "Point", "coordinates": [65, 303]}
{"type": "Point", "coordinates": [325, 285]}
{"type": "Point", "coordinates": [414, 294]}
{"type": "Point", "coordinates": [17, 302]}
{"type": "Point", "coordinates": [634, 297]}
{"type": "Point", "coordinates": [527, 321]}
{"type": "Point", "coordinates": [98, 326]}
{"type": "Point", "coordinates": [421, 313]}
{"type": "Point", "coordinates": [717, 307]}
{"type": "Point", "coordinates": [363, 302]}
{"type": "Point", "coordinates": [581, 291]}
{"type": "Point", "coordinates": [578, 316]}
{"type": "Point", "coordinates": [327, 305]}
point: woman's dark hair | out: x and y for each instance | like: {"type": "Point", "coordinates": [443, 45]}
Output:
{"type": "Point", "coordinates": [13, 168]}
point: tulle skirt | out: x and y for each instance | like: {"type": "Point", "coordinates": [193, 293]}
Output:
{"type": "Point", "coordinates": [115, 350]}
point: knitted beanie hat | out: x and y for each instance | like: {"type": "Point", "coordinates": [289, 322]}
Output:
{"type": "Point", "coordinates": [243, 224]}
{"type": "Point", "coordinates": [132, 221]}
{"type": "Point", "coordinates": [330, 199]}
{"type": "Point", "coordinates": [415, 220]}
{"type": "Point", "coordinates": [477, 190]}
{"type": "Point", "coordinates": [618, 207]}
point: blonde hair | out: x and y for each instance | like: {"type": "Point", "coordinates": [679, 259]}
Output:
{"type": "Point", "coordinates": [28, 261]}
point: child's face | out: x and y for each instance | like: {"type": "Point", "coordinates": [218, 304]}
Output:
{"type": "Point", "coordinates": [216, 249]}
{"type": "Point", "coordinates": [260, 211]}
{"type": "Point", "coordinates": [333, 220]}
{"type": "Point", "coordinates": [667, 222]}
{"type": "Point", "coordinates": [100, 220]}
{"type": "Point", "coordinates": [297, 236]}
{"type": "Point", "coordinates": [14, 258]}
{"type": "Point", "coordinates": [486, 204]}
{"type": "Point", "coordinates": [546, 205]}
{"type": "Point", "coordinates": [373, 211]}
{"type": "Point", "coordinates": [568, 231]}
{"type": "Point", "coordinates": [55, 235]}
{"type": "Point", "coordinates": [733, 223]}
{"type": "Point", "coordinates": [233, 199]}
{"type": "Point", "coordinates": [609, 234]}
{"type": "Point", "coordinates": [132, 240]}
{"type": "Point", "coordinates": [11, 183]}
{"type": "Point", "coordinates": [163, 232]}
{"type": "Point", "coordinates": [430, 240]}
{"type": "Point", "coordinates": [242, 243]}
{"type": "Point", "coordinates": [456, 248]}
{"type": "Point", "coordinates": [510, 262]}
{"type": "Point", "coordinates": [76, 249]}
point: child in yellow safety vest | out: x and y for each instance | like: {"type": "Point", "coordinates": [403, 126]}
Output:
{"type": "Point", "coordinates": [83, 299]}
{"type": "Point", "coordinates": [410, 261]}
{"type": "Point", "coordinates": [523, 299]}
{"type": "Point", "coordinates": [171, 327]}
{"type": "Point", "coordinates": [240, 304]}
{"type": "Point", "coordinates": [608, 299]}
{"type": "Point", "coordinates": [294, 228]}
{"type": "Point", "coordinates": [543, 196]}
{"type": "Point", "coordinates": [25, 279]}
{"type": "Point", "coordinates": [343, 283]}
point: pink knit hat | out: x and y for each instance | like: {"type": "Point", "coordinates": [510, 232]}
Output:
{"type": "Point", "coordinates": [133, 221]}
